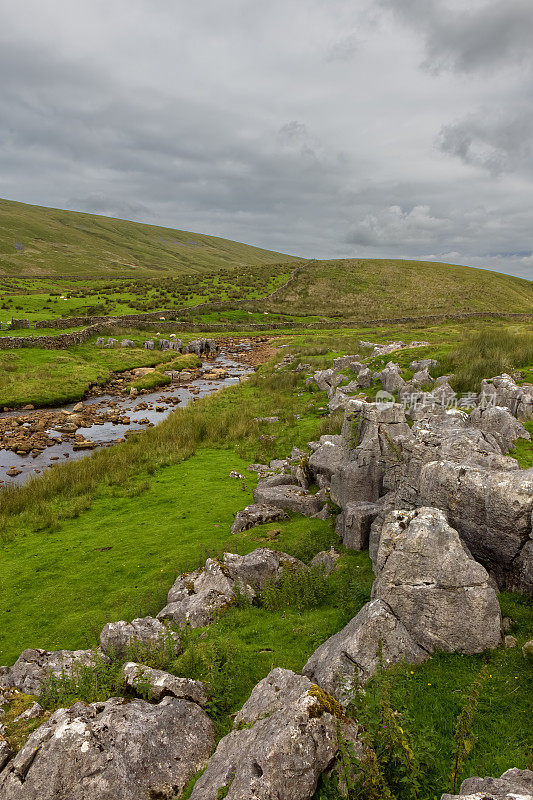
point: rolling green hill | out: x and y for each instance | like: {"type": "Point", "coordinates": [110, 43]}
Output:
{"type": "Point", "coordinates": [37, 241]}
{"type": "Point", "coordinates": [372, 289]}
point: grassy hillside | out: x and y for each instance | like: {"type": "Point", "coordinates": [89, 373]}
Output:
{"type": "Point", "coordinates": [38, 241]}
{"type": "Point", "coordinates": [367, 289]}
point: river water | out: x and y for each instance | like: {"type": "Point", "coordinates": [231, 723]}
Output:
{"type": "Point", "coordinates": [160, 405]}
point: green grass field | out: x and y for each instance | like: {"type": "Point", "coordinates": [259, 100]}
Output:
{"type": "Point", "coordinates": [58, 243]}
{"type": "Point", "coordinates": [103, 539]}
{"type": "Point", "coordinates": [374, 289]}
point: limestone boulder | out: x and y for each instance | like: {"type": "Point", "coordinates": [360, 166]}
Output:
{"type": "Point", "coordinates": [33, 668]}
{"type": "Point", "coordinates": [351, 656]}
{"type": "Point", "coordinates": [159, 684]}
{"type": "Point", "coordinates": [354, 522]}
{"type": "Point", "coordinates": [515, 784]}
{"type": "Point", "coordinates": [502, 390]}
{"type": "Point", "coordinates": [256, 514]}
{"type": "Point", "coordinates": [285, 736]}
{"type": "Point", "coordinates": [116, 637]}
{"type": "Point", "coordinates": [132, 750]}
{"type": "Point", "coordinates": [260, 567]}
{"type": "Point", "coordinates": [499, 422]}
{"type": "Point", "coordinates": [289, 498]}
{"type": "Point", "coordinates": [430, 581]}
{"type": "Point", "coordinates": [196, 597]}
{"type": "Point", "coordinates": [491, 510]}
{"type": "Point", "coordinates": [391, 377]}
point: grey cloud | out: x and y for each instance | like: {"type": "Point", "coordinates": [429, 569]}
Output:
{"type": "Point", "coordinates": [470, 38]}
{"type": "Point", "coordinates": [501, 144]}
{"type": "Point", "coordinates": [279, 129]}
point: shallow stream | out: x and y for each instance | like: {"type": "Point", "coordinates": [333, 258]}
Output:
{"type": "Point", "coordinates": [160, 404]}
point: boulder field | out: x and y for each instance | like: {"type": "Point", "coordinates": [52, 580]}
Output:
{"type": "Point", "coordinates": [447, 517]}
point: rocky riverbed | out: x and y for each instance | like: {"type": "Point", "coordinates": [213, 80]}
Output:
{"type": "Point", "coordinates": [33, 439]}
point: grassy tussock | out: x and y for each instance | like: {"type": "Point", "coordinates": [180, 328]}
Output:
{"type": "Point", "coordinates": [488, 353]}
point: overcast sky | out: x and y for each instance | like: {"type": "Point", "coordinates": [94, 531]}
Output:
{"type": "Point", "coordinates": [324, 128]}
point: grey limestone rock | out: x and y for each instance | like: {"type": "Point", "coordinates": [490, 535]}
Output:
{"type": "Point", "coordinates": [351, 656]}
{"type": "Point", "coordinates": [256, 514]}
{"type": "Point", "coordinates": [430, 581]}
{"type": "Point", "coordinates": [286, 735]}
{"type": "Point", "coordinates": [515, 784]}
{"type": "Point", "coordinates": [148, 631]}
{"type": "Point", "coordinates": [162, 684]}
{"type": "Point", "coordinates": [34, 667]}
{"type": "Point", "coordinates": [132, 750]}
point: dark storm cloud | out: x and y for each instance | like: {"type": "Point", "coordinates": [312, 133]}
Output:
{"type": "Point", "coordinates": [304, 126]}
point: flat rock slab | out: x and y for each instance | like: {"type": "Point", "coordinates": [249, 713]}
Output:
{"type": "Point", "coordinates": [289, 498]}
{"type": "Point", "coordinates": [111, 750]}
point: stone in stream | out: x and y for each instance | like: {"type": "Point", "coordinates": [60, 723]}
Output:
{"type": "Point", "coordinates": [102, 751]}
{"type": "Point", "coordinates": [284, 737]}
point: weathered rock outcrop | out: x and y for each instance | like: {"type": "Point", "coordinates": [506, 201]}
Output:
{"type": "Point", "coordinates": [260, 567]}
{"type": "Point", "coordinates": [148, 631]}
{"type": "Point", "coordinates": [286, 736]}
{"type": "Point", "coordinates": [515, 784]}
{"type": "Point", "coordinates": [390, 377]}
{"type": "Point", "coordinates": [502, 390]}
{"type": "Point", "coordinates": [196, 597]}
{"type": "Point", "coordinates": [34, 667]}
{"type": "Point", "coordinates": [491, 510]}
{"type": "Point", "coordinates": [429, 594]}
{"type": "Point", "coordinates": [372, 434]}
{"type": "Point", "coordinates": [114, 749]}
{"type": "Point", "coordinates": [500, 423]}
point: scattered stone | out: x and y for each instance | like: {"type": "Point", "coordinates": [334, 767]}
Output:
{"type": "Point", "coordinates": [235, 474]}
{"type": "Point", "coordinates": [527, 650]}
{"type": "Point", "coordinates": [34, 711]}
{"type": "Point", "coordinates": [510, 641]}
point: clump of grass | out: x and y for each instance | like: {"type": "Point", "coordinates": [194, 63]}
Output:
{"type": "Point", "coordinates": [151, 381]}
{"type": "Point", "coordinates": [297, 589]}
{"type": "Point", "coordinates": [487, 353]}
